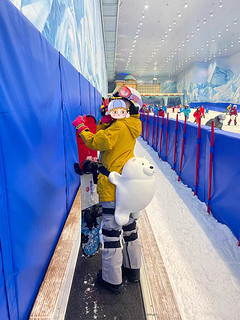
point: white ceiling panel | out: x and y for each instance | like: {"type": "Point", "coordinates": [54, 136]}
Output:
{"type": "Point", "coordinates": [162, 38]}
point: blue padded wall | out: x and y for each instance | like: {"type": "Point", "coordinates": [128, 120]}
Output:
{"type": "Point", "coordinates": [226, 169]}
{"type": "Point", "coordinates": [3, 301]}
{"type": "Point", "coordinates": [41, 94]}
{"type": "Point", "coordinates": [71, 106]}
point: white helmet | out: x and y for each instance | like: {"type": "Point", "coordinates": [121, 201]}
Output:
{"type": "Point", "coordinates": [130, 94]}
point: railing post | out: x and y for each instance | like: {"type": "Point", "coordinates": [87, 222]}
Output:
{"type": "Point", "coordinates": [143, 122]}
{"type": "Point", "coordinates": [147, 128]}
{"type": "Point", "coordinates": [166, 153]}
{"type": "Point", "coordinates": [197, 156]}
{"type": "Point", "coordinates": [156, 143]}
{"type": "Point", "coordinates": [175, 146]}
{"type": "Point", "coordinates": [183, 144]}
{"type": "Point", "coordinates": [160, 147]}
{"type": "Point", "coordinates": [153, 129]}
{"type": "Point", "coordinates": [210, 168]}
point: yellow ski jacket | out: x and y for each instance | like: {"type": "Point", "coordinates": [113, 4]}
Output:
{"type": "Point", "coordinates": [116, 144]}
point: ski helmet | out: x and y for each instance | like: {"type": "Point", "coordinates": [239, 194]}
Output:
{"type": "Point", "coordinates": [130, 94]}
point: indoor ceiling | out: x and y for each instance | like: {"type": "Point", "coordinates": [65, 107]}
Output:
{"type": "Point", "coordinates": [157, 38]}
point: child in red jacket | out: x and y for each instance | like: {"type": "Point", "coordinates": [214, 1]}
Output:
{"type": "Point", "coordinates": [197, 115]}
{"type": "Point", "coordinates": [233, 115]}
{"type": "Point", "coordinates": [202, 111]}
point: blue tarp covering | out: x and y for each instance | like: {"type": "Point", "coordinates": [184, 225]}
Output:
{"type": "Point", "coordinates": [41, 94]}
{"type": "Point", "coordinates": [226, 169]}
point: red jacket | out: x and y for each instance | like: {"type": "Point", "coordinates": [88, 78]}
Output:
{"type": "Point", "coordinates": [202, 110]}
{"type": "Point", "coordinates": [197, 115]}
{"type": "Point", "coordinates": [233, 112]}
{"type": "Point", "coordinates": [161, 113]}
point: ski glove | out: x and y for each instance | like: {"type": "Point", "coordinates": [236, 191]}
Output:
{"type": "Point", "coordinates": [107, 119]}
{"type": "Point", "coordinates": [79, 124]}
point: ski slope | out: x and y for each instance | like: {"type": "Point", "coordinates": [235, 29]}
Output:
{"type": "Point", "coordinates": [211, 114]}
{"type": "Point", "coordinates": [201, 256]}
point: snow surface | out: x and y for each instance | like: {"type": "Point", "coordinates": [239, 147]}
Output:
{"type": "Point", "coordinates": [210, 115]}
{"type": "Point", "coordinates": [201, 256]}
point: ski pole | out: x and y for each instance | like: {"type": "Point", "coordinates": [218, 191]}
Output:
{"type": "Point", "coordinates": [197, 156]}
{"type": "Point", "coordinates": [153, 129]}
{"type": "Point", "coordinates": [210, 168]}
{"type": "Point", "coordinates": [175, 146]}
{"type": "Point", "coordinates": [183, 144]}
{"type": "Point", "coordinates": [157, 131]}
{"type": "Point", "coordinates": [167, 137]}
{"type": "Point", "coordinates": [160, 147]}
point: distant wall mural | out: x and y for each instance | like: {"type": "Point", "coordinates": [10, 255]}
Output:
{"type": "Point", "coordinates": [74, 28]}
{"type": "Point", "coordinates": [217, 81]}
{"type": "Point", "coordinates": [169, 86]}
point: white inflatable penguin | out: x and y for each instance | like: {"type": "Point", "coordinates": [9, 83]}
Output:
{"type": "Point", "coordinates": [135, 188]}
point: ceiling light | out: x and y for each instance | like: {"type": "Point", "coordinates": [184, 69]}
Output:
{"type": "Point", "coordinates": [146, 6]}
{"type": "Point", "coordinates": [192, 34]}
{"type": "Point", "coordinates": [227, 28]}
{"type": "Point", "coordinates": [198, 28]}
{"type": "Point", "coordinates": [186, 5]}
{"type": "Point", "coordinates": [143, 16]}
{"type": "Point", "coordinates": [207, 44]}
{"type": "Point", "coordinates": [235, 22]}
{"type": "Point", "coordinates": [213, 39]}
{"type": "Point", "coordinates": [219, 34]}
{"type": "Point", "coordinates": [232, 44]}
{"type": "Point", "coordinates": [140, 23]}
{"type": "Point", "coordinates": [169, 28]}
{"type": "Point", "coordinates": [179, 14]}
{"type": "Point", "coordinates": [174, 21]}
{"type": "Point", "coordinates": [238, 39]}
{"type": "Point", "coordinates": [204, 21]}
{"type": "Point", "coordinates": [220, 4]}
{"type": "Point", "coordinates": [211, 14]}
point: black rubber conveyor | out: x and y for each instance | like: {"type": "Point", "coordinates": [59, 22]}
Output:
{"type": "Point", "coordinates": [89, 300]}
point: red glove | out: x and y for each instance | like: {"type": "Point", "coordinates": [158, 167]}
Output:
{"type": "Point", "coordinates": [79, 124]}
{"type": "Point", "coordinates": [106, 119]}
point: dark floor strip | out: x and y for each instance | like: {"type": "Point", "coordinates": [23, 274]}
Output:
{"type": "Point", "coordinates": [88, 300]}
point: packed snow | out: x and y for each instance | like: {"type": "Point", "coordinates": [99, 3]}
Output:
{"type": "Point", "coordinates": [201, 256]}
{"type": "Point", "coordinates": [210, 115]}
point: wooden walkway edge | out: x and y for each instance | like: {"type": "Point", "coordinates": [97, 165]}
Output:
{"type": "Point", "coordinates": [161, 293]}
{"type": "Point", "coordinates": [52, 298]}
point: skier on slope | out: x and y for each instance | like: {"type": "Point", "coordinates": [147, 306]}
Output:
{"type": "Point", "coordinates": [116, 143]}
{"type": "Point", "coordinates": [186, 111]}
{"type": "Point", "coordinates": [233, 115]}
{"type": "Point", "coordinates": [197, 115]}
{"type": "Point", "coordinates": [202, 111]}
